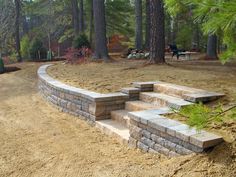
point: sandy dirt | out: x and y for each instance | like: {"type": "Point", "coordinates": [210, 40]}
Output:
{"type": "Point", "coordinates": [38, 140]}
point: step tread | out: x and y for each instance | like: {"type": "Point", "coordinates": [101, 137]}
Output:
{"type": "Point", "coordinates": [121, 116]}
{"type": "Point", "coordinates": [112, 127]}
{"type": "Point", "coordinates": [140, 105]}
{"type": "Point", "coordinates": [121, 112]}
{"type": "Point", "coordinates": [166, 98]}
{"type": "Point", "coordinates": [187, 93]}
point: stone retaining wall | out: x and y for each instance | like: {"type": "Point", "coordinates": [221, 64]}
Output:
{"type": "Point", "coordinates": [91, 105]}
{"type": "Point", "coordinates": [160, 134]}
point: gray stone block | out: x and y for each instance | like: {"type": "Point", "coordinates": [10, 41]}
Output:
{"type": "Point", "coordinates": [205, 139]}
{"type": "Point", "coordinates": [146, 134]}
{"type": "Point", "coordinates": [142, 146]}
{"type": "Point", "coordinates": [147, 142]}
{"type": "Point", "coordinates": [162, 124]}
{"type": "Point", "coordinates": [185, 134]}
{"type": "Point", "coordinates": [132, 142]}
{"type": "Point", "coordinates": [161, 149]}
{"type": "Point", "coordinates": [183, 151]}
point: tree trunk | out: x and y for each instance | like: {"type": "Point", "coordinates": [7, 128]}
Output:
{"type": "Point", "coordinates": [157, 37]}
{"type": "Point", "coordinates": [17, 29]}
{"type": "Point", "coordinates": [91, 24]}
{"type": "Point", "coordinates": [75, 16]}
{"type": "Point", "coordinates": [25, 27]}
{"type": "Point", "coordinates": [147, 37]}
{"type": "Point", "coordinates": [138, 27]}
{"type": "Point", "coordinates": [81, 16]}
{"type": "Point", "coordinates": [101, 51]}
{"type": "Point", "coordinates": [175, 28]}
{"type": "Point", "coordinates": [212, 47]}
{"type": "Point", "coordinates": [168, 31]}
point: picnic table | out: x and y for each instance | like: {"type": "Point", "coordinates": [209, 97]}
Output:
{"type": "Point", "coordinates": [187, 54]}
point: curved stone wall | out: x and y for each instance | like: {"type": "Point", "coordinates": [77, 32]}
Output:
{"type": "Point", "coordinates": [80, 102]}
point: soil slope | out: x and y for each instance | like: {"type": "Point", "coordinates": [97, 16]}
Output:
{"type": "Point", "coordinates": [38, 140]}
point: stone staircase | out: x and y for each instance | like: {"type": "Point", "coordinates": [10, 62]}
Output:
{"type": "Point", "coordinates": [144, 123]}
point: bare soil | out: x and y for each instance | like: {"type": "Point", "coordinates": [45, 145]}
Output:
{"type": "Point", "coordinates": [38, 140]}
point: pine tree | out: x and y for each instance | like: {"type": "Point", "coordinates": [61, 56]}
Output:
{"type": "Point", "coordinates": [101, 51]}
{"type": "Point", "coordinates": [157, 35]}
{"type": "Point", "coordinates": [138, 27]}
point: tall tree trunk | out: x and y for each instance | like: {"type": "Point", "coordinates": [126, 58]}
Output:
{"type": "Point", "coordinates": [147, 37]}
{"type": "Point", "coordinates": [168, 29]}
{"type": "Point", "coordinates": [157, 38]}
{"type": "Point", "coordinates": [25, 26]}
{"type": "Point", "coordinates": [101, 51]}
{"type": "Point", "coordinates": [138, 27]}
{"type": "Point", "coordinates": [91, 24]}
{"type": "Point", "coordinates": [17, 29]}
{"type": "Point", "coordinates": [75, 16]}
{"type": "Point", "coordinates": [81, 16]}
{"type": "Point", "coordinates": [175, 29]}
{"type": "Point", "coordinates": [212, 47]}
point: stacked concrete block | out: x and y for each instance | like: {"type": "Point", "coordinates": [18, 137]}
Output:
{"type": "Point", "coordinates": [169, 137]}
{"type": "Point", "coordinates": [187, 93]}
{"type": "Point", "coordinates": [91, 105]}
{"type": "Point", "coordinates": [132, 92]}
{"type": "Point", "coordinates": [144, 86]}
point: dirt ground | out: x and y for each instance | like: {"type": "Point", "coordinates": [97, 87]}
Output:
{"type": "Point", "coordinates": [38, 140]}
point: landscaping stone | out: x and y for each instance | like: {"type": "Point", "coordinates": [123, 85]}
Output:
{"type": "Point", "coordinates": [139, 106]}
{"type": "Point", "coordinates": [142, 124]}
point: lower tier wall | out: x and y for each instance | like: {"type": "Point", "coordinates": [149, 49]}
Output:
{"type": "Point", "coordinates": [152, 140]}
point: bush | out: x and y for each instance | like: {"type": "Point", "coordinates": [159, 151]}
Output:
{"type": "Point", "coordinates": [81, 41]}
{"type": "Point", "coordinates": [184, 37]}
{"type": "Point", "coordinates": [25, 46]}
{"type": "Point", "coordinates": [1, 66]}
{"type": "Point", "coordinates": [37, 51]}
{"type": "Point", "coordinates": [201, 116]}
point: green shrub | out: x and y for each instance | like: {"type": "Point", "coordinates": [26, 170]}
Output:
{"type": "Point", "coordinates": [184, 37]}
{"type": "Point", "coordinates": [25, 46]}
{"type": "Point", "coordinates": [201, 116]}
{"type": "Point", "coordinates": [81, 41]}
{"type": "Point", "coordinates": [1, 66]}
{"type": "Point", "coordinates": [37, 51]}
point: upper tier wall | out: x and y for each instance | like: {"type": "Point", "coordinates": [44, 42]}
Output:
{"type": "Point", "coordinates": [80, 102]}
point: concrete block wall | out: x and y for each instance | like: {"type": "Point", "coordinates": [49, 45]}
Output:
{"type": "Point", "coordinates": [91, 105]}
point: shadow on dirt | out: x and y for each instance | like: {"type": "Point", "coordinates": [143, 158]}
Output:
{"type": "Point", "coordinates": [10, 69]}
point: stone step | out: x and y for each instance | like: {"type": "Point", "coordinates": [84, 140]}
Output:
{"type": "Point", "coordinates": [114, 129]}
{"type": "Point", "coordinates": [186, 93]}
{"type": "Point", "coordinates": [175, 131]}
{"type": "Point", "coordinates": [121, 116]}
{"type": "Point", "coordinates": [160, 99]}
{"type": "Point", "coordinates": [144, 86]}
{"type": "Point", "coordinates": [139, 106]}
{"type": "Point", "coordinates": [132, 92]}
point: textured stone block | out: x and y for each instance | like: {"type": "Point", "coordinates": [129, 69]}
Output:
{"type": "Point", "coordinates": [162, 124]}
{"type": "Point", "coordinates": [205, 139]}
{"type": "Point", "coordinates": [132, 142]}
{"type": "Point", "coordinates": [130, 90]}
{"type": "Point", "coordinates": [172, 130]}
{"type": "Point", "coordinates": [142, 146]}
{"type": "Point", "coordinates": [139, 106]}
{"type": "Point", "coordinates": [183, 151]}
{"type": "Point", "coordinates": [150, 150]}
{"type": "Point", "coordinates": [173, 154]}
{"type": "Point", "coordinates": [135, 132]}
{"type": "Point", "coordinates": [161, 149]}
{"type": "Point", "coordinates": [185, 134]}
{"type": "Point", "coordinates": [147, 142]}
{"type": "Point", "coordinates": [146, 134]}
